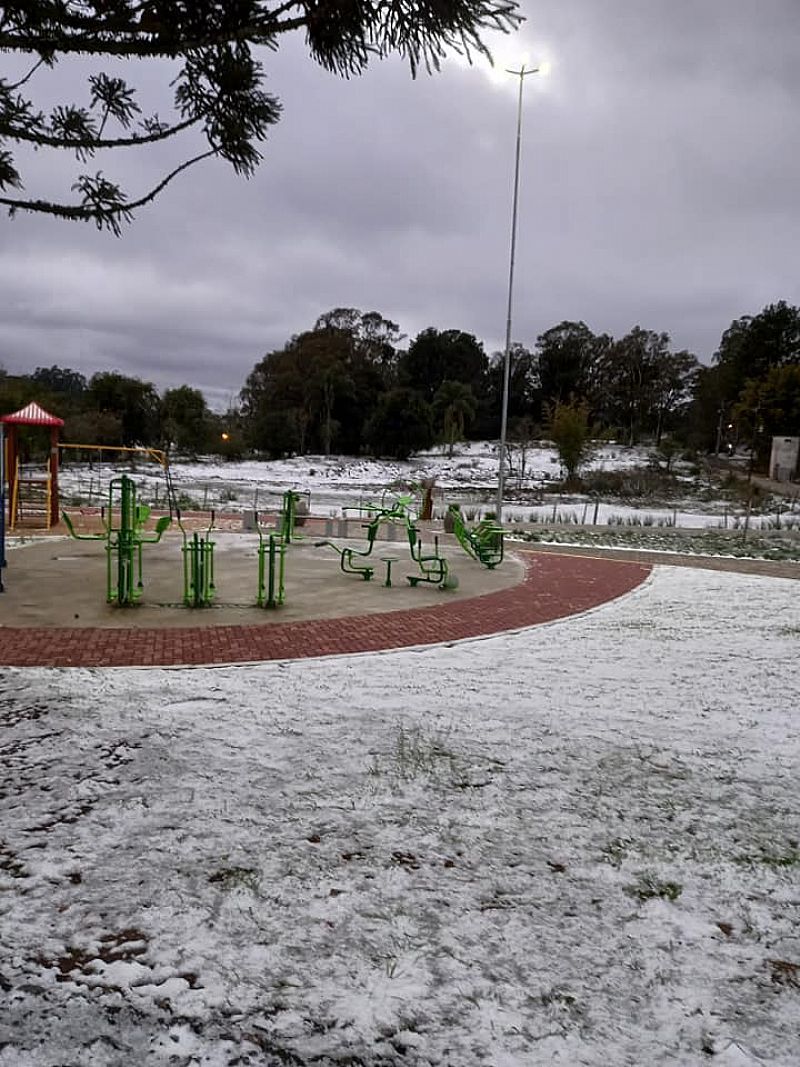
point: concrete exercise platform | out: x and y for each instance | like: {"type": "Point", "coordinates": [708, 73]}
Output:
{"type": "Point", "coordinates": [53, 612]}
{"type": "Point", "coordinates": [59, 582]}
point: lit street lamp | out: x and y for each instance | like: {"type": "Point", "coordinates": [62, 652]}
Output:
{"type": "Point", "coordinates": [522, 74]}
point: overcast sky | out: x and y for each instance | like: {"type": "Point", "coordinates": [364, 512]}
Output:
{"type": "Point", "coordinates": [659, 186]}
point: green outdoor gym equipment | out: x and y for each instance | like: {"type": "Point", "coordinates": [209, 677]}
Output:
{"type": "Point", "coordinates": [272, 545]}
{"type": "Point", "coordinates": [433, 568]}
{"type": "Point", "coordinates": [124, 535]}
{"type": "Point", "coordinates": [287, 519]}
{"type": "Point", "coordinates": [483, 542]}
{"type": "Point", "coordinates": [271, 569]}
{"type": "Point", "coordinates": [349, 557]}
{"type": "Point", "coordinates": [198, 565]}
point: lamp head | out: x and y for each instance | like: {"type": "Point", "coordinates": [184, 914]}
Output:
{"type": "Point", "coordinates": [523, 69]}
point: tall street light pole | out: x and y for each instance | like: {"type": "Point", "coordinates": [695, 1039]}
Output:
{"type": "Point", "coordinates": [2, 502]}
{"type": "Point", "coordinates": [522, 74]}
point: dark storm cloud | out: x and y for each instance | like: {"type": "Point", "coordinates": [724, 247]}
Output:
{"type": "Point", "coordinates": [659, 178]}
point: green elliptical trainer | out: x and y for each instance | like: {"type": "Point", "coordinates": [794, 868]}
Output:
{"type": "Point", "coordinates": [272, 545]}
{"type": "Point", "coordinates": [271, 569]}
{"type": "Point", "coordinates": [198, 565]}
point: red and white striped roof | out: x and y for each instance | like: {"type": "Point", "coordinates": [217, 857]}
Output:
{"type": "Point", "coordinates": [32, 415]}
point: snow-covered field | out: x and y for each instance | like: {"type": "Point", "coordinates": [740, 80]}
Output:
{"type": "Point", "coordinates": [336, 481]}
{"type": "Point", "coordinates": [577, 844]}
{"type": "Point", "coordinates": [469, 478]}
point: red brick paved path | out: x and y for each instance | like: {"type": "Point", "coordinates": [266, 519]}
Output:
{"type": "Point", "coordinates": [554, 586]}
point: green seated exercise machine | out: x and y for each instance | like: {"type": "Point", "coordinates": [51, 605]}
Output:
{"type": "Point", "coordinates": [433, 568]}
{"type": "Point", "coordinates": [350, 558]}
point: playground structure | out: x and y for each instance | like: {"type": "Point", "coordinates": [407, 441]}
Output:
{"type": "Point", "coordinates": [124, 534]}
{"type": "Point", "coordinates": [32, 495]}
{"type": "Point", "coordinates": [31, 498]}
{"type": "Point", "coordinates": [433, 567]}
{"type": "Point", "coordinates": [484, 542]}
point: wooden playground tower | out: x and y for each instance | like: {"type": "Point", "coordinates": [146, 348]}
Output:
{"type": "Point", "coordinates": [32, 495]}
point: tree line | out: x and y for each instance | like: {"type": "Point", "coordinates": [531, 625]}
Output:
{"type": "Point", "coordinates": [114, 409]}
{"type": "Point", "coordinates": [350, 385]}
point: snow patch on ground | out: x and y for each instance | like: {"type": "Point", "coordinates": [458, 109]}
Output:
{"type": "Point", "coordinates": [333, 481]}
{"type": "Point", "coordinates": [576, 844]}
{"type": "Point", "coordinates": [339, 484]}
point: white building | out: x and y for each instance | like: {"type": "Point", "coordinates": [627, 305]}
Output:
{"type": "Point", "coordinates": [783, 461]}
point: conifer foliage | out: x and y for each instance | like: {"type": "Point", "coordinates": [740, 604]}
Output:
{"type": "Point", "coordinates": [211, 52]}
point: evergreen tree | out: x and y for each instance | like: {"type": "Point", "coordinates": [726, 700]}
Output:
{"type": "Point", "coordinates": [186, 420]}
{"type": "Point", "coordinates": [454, 406]}
{"type": "Point", "coordinates": [401, 423]}
{"type": "Point", "coordinates": [134, 402]}
{"type": "Point", "coordinates": [436, 356]}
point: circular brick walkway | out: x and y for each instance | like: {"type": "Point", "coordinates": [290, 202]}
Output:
{"type": "Point", "coordinates": [554, 586]}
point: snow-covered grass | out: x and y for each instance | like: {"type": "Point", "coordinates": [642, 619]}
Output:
{"type": "Point", "coordinates": [713, 516]}
{"type": "Point", "coordinates": [339, 485]}
{"type": "Point", "coordinates": [333, 481]}
{"type": "Point", "coordinates": [578, 844]}
{"type": "Point", "coordinates": [755, 545]}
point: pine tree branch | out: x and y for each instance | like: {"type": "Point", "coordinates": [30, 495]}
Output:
{"type": "Point", "coordinates": [219, 85]}
{"type": "Point", "coordinates": [173, 174]}
{"type": "Point", "coordinates": [254, 33]}
{"type": "Point", "coordinates": [27, 77]}
{"type": "Point", "coordinates": [91, 144]}
{"type": "Point", "coordinates": [110, 217]}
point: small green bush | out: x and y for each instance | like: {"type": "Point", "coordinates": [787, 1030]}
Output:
{"type": "Point", "coordinates": [648, 887]}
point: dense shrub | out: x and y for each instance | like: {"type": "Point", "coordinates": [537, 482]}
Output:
{"type": "Point", "coordinates": [637, 482]}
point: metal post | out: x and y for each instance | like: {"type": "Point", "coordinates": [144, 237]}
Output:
{"type": "Point", "coordinates": [522, 73]}
{"type": "Point", "coordinates": [271, 586]}
{"type": "Point", "coordinates": [2, 502]}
